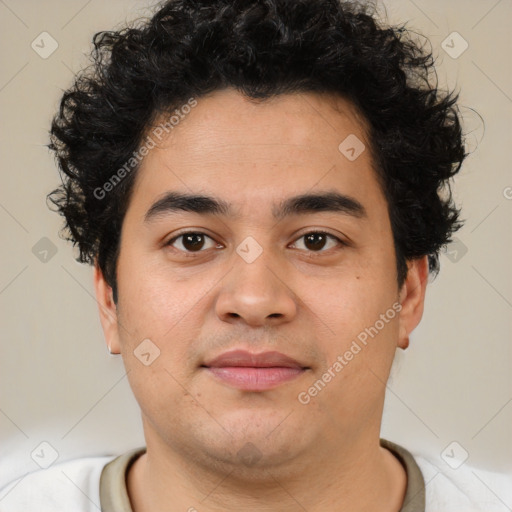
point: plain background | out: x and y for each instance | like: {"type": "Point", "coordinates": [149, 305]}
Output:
{"type": "Point", "coordinates": [57, 382]}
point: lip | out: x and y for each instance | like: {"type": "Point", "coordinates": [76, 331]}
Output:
{"type": "Point", "coordinates": [254, 372]}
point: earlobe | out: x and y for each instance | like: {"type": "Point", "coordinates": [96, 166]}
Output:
{"type": "Point", "coordinates": [403, 337]}
{"type": "Point", "coordinates": [412, 299]}
{"type": "Point", "coordinates": [107, 311]}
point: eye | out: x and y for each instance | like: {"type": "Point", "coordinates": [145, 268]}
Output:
{"type": "Point", "coordinates": [316, 241]}
{"type": "Point", "coordinates": [196, 241]}
{"type": "Point", "coordinates": [191, 241]}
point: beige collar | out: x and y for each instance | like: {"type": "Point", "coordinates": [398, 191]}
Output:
{"type": "Point", "coordinates": [114, 495]}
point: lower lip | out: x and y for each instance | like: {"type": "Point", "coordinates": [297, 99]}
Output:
{"type": "Point", "coordinates": [255, 379]}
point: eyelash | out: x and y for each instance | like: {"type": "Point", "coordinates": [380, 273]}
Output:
{"type": "Point", "coordinates": [194, 253]}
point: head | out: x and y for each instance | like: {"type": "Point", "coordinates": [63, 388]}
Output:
{"type": "Point", "coordinates": [306, 152]}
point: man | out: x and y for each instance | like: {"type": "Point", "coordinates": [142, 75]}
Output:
{"type": "Point", "coordinates": [258, 184]}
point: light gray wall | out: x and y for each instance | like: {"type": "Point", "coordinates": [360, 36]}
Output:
{"type": "Point", "coordinates": [57, 381]}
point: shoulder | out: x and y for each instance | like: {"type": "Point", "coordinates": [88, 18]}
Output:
{"type": "Point", "coordinates": [71, 485]}
{"type": "Point", "coordinates": [452, 489]}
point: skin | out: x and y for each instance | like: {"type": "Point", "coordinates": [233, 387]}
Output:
{"type": "Point", "coordinates": [309, 304]}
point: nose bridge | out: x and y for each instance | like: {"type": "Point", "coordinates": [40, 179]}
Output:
{"type": "Point", "coordinates": [253, 290]}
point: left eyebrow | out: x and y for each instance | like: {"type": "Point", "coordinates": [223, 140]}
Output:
{"type": "Point", "coordinates": [320, 202]}
{"type": "Point", "coordinates": [296, 205]}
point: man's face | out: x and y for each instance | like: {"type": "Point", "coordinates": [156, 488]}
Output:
{"type": "Point", "coordinates": [254, 282]}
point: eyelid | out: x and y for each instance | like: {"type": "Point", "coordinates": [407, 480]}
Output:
{"type": "Point", "coordinates": [321, 232]}
{"type": "Point", "coordinates": [188, 232]}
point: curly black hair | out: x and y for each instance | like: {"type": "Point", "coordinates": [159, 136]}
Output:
{"type": "Point", "coordinates": [262, 48]}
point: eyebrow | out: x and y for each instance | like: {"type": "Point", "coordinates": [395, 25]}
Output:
{"type": "Point", "coordinates": [296, 205]}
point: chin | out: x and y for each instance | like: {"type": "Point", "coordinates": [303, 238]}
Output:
{"type": "Point", "coordinates": [253, 441]}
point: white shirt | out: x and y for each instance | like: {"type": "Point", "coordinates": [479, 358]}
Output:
{"type": "Point", "coordinates": [74, 486]}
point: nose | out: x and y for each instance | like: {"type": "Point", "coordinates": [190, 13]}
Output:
{"type": "Point", "coordinates": [256, 293]}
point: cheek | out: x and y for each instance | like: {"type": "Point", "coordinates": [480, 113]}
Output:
{"type": "Point", "coordinates": [160, 396]}
{"type": "Point", "coordinates": [351, 386]}
{"type": "Point", "coordinates": [154, 298]}
{"type": "Point", "coordinates": [351, 305]}
{"type": "Point", "coordinates": [362, 314]}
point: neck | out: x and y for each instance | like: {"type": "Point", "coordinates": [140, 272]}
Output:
{"type": "Point", "coordinates": [360, 477]}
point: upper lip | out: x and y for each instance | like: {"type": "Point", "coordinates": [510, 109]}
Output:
{"type": "Point", "coordinates": [244, 358]}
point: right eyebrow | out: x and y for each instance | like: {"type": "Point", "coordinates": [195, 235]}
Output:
{"type": "Point", "coordinates": [177, 201]}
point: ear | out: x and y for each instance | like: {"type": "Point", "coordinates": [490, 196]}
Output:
{"type": "Point", "coordinates": [412, 299]}
{"type": "Point", "coordinates": [107, 310]}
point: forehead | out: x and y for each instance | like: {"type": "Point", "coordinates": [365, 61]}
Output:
{"type": "Point", "coordinates": [315, 122]}
{"type": "Point", "coordinates": [250, 151]}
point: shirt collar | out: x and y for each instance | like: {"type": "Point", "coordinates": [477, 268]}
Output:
{"type": "Point", "coordinates": [114, 494]}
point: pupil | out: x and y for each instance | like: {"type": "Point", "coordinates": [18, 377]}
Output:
{"type": "Point", "coordinates": [193, 241]}
{"type": "Point", "coordinates": [315, 241]}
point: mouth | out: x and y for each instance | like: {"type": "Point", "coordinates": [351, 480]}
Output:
{"type": "Point", "coordinates": [254, 372]}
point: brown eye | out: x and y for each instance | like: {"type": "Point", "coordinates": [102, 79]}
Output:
{"type": "Point", "coordinates": [316, 241]}
{"type": "Point", "coordinates": [193, 241]}
{"type": "Point", "coordinates": [190, 242]}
